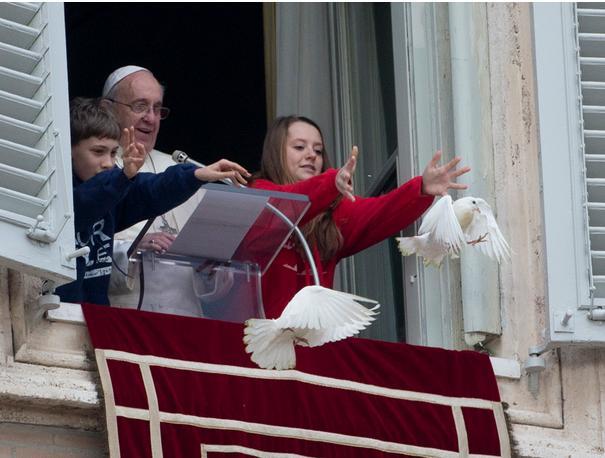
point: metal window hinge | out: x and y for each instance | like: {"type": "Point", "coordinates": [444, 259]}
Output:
{"type": "Point", "coordinates": [48, 300]}
{"type": "Point", "coordinates": [596, 314]}
{"type": "Point", "coordinates": [533, 366]}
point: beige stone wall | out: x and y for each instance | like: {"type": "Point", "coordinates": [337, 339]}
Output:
{"type": "Point", "coordinates": [566, 418]}
{"type": "Point", "coordinates": [32, 441]}
{"type": "Point", "coordinates": [49, 398]}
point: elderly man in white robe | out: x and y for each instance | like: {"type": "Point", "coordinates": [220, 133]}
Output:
{"type": "Point", "coordinates": [136, 98]}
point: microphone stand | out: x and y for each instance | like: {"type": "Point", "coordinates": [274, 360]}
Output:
{"type": "Point", "coordinates": [301, 239]}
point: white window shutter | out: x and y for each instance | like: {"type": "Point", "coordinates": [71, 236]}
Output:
{"type": "Point", "coordinates": [36, 203]}
{"type": "Point", "coordinates": [570, 81]}
{"type": "Point", "coordinates": [591, 37]}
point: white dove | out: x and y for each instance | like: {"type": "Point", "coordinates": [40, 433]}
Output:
{"type": "Point", "coordinates": [314, 316]}
{"type": "Point", "coordinates": [447, 227]}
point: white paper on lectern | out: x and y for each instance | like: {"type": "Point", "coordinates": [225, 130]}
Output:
{"type": "Point", "coordinates": [218, 225]}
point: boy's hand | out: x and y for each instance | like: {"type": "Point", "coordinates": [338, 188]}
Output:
{"type": "Point", "coordinates": [133, 154]}
{"type": "Point", "coordinates": [223, 169]}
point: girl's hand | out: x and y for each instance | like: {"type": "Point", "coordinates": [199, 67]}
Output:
{"type": "Point", "coordinates": [344, 177]}
{"type": "Point", "coordinates": [437, 179]}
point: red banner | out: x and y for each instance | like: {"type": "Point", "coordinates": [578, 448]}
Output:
{"type": "Point", "coordinates": [184, 387]}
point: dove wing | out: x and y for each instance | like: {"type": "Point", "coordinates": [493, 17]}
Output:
{"type": "Point", "coordinates": [484, 224]}
{"type": "Point", "coordinates": [326, 315]}
{"type": "Point", "coordinates": [442, 223]}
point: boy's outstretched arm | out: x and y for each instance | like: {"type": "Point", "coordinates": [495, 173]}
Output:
{"type": "Point", "coordinates": [154, 194]}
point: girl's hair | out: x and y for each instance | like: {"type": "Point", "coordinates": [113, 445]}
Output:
{"type": "Point", "coordinates": [90, 118]}
{"type": "Point", "coordinates": [321, 230]}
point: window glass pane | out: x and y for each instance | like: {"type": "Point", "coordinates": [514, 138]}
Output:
{"type": "Point", "coordinates": [378, 275]}
{"type": "Point", "coordinates": [378, 269]}
{"type": "Point", "coordinates": [372, 90]}
{"type": "Point", "coordinates": [384, 46]}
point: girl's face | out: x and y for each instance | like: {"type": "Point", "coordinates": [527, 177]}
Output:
{"type": "Point", "coordinates": [304, 151]}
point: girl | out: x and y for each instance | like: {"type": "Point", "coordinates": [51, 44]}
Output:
{"type": "Point", "coordinates": [336, 226]}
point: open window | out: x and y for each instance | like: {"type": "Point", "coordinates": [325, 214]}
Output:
{"type": "Point", "coordinates": [382, 87]}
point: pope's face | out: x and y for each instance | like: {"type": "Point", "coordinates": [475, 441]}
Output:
{"type": "Point", "coordinates": [136, 88]}
{"type": "Point", "coordinates": [304, 151]}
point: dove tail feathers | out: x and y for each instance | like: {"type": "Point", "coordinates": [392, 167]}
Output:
{"type": "Point", "coordinates": [436, 261]}
{"type": "Point", "coordinates": [419, 245]}
{"type": "Point", "coordinates": [408, 245]}
{"type": "Point", "coordinates": [270, 346]}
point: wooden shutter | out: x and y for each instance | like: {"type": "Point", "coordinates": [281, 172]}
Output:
{"type": "Point", "coordinates": [569, 42]}
{"type": "Point", "coordinates": [36, 208]}
{"type": "Point", "coordinates": [591, 60]}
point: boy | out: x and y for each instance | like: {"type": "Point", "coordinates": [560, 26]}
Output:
{"type": "Point", "coordinates": [108, 199]}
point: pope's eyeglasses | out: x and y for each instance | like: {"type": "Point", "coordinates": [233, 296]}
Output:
{"type": "Point", "coordinates": [144, 107]}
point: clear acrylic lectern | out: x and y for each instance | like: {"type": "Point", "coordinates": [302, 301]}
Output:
{"type": "Point", "coordinates": [225, 247]}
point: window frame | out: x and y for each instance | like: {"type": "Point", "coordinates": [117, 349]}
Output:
{"type": "Point", "coordinates": [424, 112]}
{"type": "Point", "coordinates": [423, 105]}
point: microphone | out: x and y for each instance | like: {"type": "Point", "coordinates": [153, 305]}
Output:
{"type": "Point", "coordinates": [181, 157]}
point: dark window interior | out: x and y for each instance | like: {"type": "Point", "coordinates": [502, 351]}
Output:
{"type": "Point", "coordinates": [209, 56]}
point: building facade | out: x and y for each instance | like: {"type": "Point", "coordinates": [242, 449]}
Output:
{"type": "Point", "coordinates": [514, 89]}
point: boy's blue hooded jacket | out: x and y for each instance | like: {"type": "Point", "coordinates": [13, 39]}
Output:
{"type": "Point", "coordinates": [108, 203]}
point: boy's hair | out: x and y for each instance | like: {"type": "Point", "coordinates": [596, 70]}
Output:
{"type": "Point", "coordinates": [89, 118]}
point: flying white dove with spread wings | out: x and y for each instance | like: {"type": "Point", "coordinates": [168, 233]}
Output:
{"type": "Point", "coordinates": [448, 227]}
{"type": "Point", "coordinates": [315, 315]}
